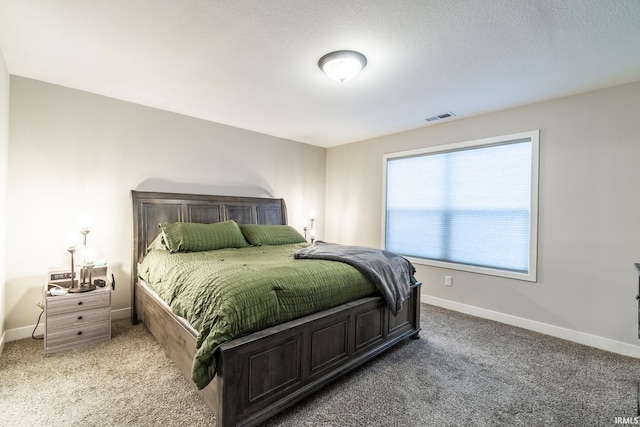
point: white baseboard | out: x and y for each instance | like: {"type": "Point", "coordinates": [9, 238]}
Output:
{"type": "Point", "coordinates": [25, 332]}
{"type": "Point", "coordinates": [2, 338]}
{"type": "Point", "coordinates": [122, 313]}
{"type": "Point", "coordinates": [544, 328]}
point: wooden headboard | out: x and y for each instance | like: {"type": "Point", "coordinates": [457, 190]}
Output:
{"type": "Point", "coordinates": [151, 208]}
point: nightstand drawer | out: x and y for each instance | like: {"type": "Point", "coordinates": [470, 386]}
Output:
{"type": "Point", "coordinates": [71, 303]}
{"type": "Point", "coordinates": [78, 318]}
{"type": "Point", "coordinates": [83, 334]}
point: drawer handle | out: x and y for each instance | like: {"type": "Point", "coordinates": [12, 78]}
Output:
{"type": "Point", "coordinates": [79, 317]}
{"type": "Point", "coordinates": [79, 302]}
{"type": "Point", "coordinates": [79, 332]}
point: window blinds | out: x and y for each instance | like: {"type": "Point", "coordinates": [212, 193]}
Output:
{"type": "Point", "coordinates": [469, 206]}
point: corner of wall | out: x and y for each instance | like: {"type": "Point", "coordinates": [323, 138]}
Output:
{"type": "Point", "coordinates": [4, 154]}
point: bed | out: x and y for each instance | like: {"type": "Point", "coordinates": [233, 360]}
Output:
{"type": "Point", "coordinates": [264, 372]}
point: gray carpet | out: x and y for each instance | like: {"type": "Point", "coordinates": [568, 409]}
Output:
{"type": "Point", "coordinates": [463, 371]}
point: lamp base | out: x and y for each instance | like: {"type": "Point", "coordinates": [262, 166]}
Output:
{"type": "Point", "coordinates": [83, 288]}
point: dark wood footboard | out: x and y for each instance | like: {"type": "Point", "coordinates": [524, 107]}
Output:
{"type": "Point", "coordinates": [263, 373]}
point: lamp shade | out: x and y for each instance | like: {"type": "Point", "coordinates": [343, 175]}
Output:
{"type": "Point", "coordinates": [342, 65]}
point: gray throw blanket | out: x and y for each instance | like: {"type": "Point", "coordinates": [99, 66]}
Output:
{"type": "Point", "coordinates": [390, 273]}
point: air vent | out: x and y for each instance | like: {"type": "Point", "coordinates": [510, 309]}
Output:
{"type": "Point", "coordinates": [442, 116]}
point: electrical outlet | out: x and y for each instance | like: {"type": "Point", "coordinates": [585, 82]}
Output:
{"type": "Point", "coordinates": [39, 304]}
{"type": "Point", "coordinates": [448, 281]}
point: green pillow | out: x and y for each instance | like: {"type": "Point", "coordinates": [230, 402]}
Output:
{"type": "Point", "coordinates": [262, 235]}
{"type": "Point", "coordinates": [195, 237]}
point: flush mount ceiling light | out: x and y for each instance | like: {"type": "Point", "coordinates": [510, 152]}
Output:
{"type": "Point", "coordinates": [342, 65]}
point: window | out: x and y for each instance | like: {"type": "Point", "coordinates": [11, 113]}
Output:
{"type": "Point", "coordinates": [469, 206]}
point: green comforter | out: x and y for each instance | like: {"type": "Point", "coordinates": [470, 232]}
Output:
{"type": "Point", "coordinates": [227, 293]}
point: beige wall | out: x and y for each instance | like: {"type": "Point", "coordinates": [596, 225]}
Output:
{"type": "Point", "coordinates": [589, 233]}
{"type": "Point", "coordinates": [4, 144]}
{"type": "Point", "coordinates": [73, 153]}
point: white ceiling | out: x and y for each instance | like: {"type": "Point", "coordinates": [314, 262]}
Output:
{"type": "Point", "coordinates": [253, 63]}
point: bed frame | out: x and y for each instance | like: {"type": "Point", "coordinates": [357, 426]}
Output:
{"type": "Point", "coordinates": [263, 373]}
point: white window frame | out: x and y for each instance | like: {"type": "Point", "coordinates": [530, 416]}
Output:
{"type": "Point", "coordinates": [534, 136]}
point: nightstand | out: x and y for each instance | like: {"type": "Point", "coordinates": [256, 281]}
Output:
{"type": "Point", "coordinates": [77, 319]}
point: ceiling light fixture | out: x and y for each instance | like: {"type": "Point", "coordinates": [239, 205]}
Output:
{"type": "Point", "coordinates": [342, 65]}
